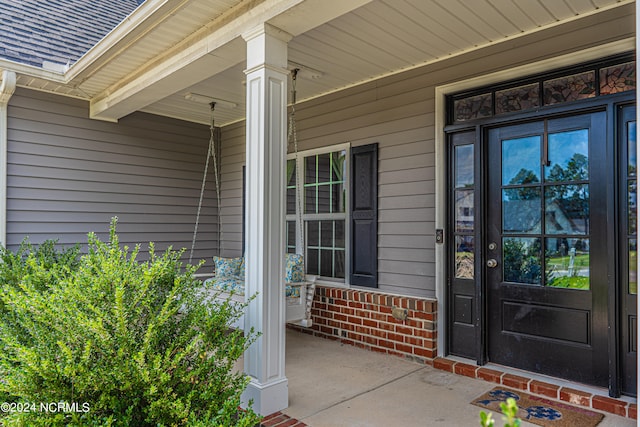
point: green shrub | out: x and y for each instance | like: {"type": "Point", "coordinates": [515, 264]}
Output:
{"type": "Point", "coordinates": [121, 342]}
{"type": "Point", "coordinates": [509, 410]}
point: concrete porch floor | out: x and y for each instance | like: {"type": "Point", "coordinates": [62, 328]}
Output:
{"type": "Point", "coordinates": [336, 385]}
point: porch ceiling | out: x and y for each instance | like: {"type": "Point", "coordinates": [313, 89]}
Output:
{"type": "Point", "coordinates": [194, 46]}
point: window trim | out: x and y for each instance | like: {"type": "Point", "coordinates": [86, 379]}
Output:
{"type": "Point", "coordinates": [299, 158]}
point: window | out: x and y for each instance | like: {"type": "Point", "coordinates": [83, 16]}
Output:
{"type": "Point", "coordinates": [614, 75]}
{"type": "Point", "coordinates": [323, 200]}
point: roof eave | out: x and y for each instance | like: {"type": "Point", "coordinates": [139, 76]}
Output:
{"type": "Point", "coordinates": [33, 71]}
{"type": "Point", "coordinates": [121, 37]}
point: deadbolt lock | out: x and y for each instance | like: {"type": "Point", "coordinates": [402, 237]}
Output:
{"type": "Point", "coordinates": [492, 246]}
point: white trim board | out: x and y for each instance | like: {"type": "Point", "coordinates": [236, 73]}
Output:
{"type": "Point", "coordinates": [7, 88]}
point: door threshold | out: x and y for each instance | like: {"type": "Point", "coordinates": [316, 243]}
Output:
{"type": "Point", "coordinates": [592, 397]}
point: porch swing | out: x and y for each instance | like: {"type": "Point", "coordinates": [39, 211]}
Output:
{"type": "Point", "coordinates": [228, 278]}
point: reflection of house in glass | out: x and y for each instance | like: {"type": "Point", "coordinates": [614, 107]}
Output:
{"type": "Point", "coordinates": [561, 220]}
{"type": "Point", "coordinates": [521, 216]}
{"type": "Point", "coordinates": [561, 217]}
{"type": "Point", "coordinates": [464, 211]}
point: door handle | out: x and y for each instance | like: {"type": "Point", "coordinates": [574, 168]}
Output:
{"type": "Point", "coordinates": [492, 263]}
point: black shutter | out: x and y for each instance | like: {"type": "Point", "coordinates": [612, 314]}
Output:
{"type": "Point", "coordinates": [364, 216]}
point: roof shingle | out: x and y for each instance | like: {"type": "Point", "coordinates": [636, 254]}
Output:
{"type": "Point", "coordinates": [60, 31]}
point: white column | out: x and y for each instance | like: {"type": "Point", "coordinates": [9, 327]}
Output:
{"type": "Point", "coordinates": [267, 76]}
{"type": "Point", "coordinates": [7, 87]}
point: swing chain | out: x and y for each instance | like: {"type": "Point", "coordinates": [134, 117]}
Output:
{"type": "Point", "coordinates": [210, 153]}
{"type": "Point", "coordinates": [293, 135]}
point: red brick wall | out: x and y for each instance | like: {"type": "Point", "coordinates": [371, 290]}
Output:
{"type": "Point", "coordinates": [363, 319]}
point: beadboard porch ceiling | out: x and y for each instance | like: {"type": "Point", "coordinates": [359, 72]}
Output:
{"type": "Point", "coordinates": [195, 46]}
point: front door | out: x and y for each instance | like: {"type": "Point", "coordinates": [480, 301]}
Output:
{"type": "Point", "coordinates": [546, 247]}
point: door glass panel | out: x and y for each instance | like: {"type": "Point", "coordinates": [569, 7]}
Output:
{"type": "Point", "coordinates": [521, 260]}
{"type": "Point", "coordinates": [568, 154]}
{"type": "Point", "coordinates": [464, 257]}
{"type": "Point", "coordinates": [464, 166]}
{"type": "Point", "coordinates": [464, 211]}
{"type": "Point", "coordinates": [632, 208]}
{"type": "Point", "coordinates": [516, 153]}
{"type": "Point", "coordinates": [521, 210]}
{"type": "Point", "coordinates": [633, 266]}
{"type": "Point", "coordinates": [632, 205]}
{"type": "Point", "coordinates": [632, 148]}
{"type": "Point", "coordinates": [567, 209]}
{"type": "Point", "coordinates": [463, 205]}
{"type": "Point", "coordinates": [567, 263]}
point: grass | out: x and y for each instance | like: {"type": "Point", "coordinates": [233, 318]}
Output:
{"type": "Point", "coordinates": [573, 282]}
{"type": "Point", "coordinates": [581, 260]}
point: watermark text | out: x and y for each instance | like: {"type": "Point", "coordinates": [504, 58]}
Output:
{"type": "Point", "coordinates": [46, 407]}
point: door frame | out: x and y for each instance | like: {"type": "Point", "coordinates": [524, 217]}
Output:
{"type": "Point", "coordinates": [441, 165]}
{"type": "Point", "coordinates": [607, 103]}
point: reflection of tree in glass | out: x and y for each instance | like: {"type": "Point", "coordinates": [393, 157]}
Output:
{"type": "Point", "coordinates": [522, 261]}
{"type": "Point", "coordinates": [524, 176]}
{"type": "Point", "coordinates": [572, 199]}
{"type": "Point", "coordinates": [577, 170]}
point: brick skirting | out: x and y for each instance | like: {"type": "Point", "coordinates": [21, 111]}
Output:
{"type": "Point", "coordinates": [364, 319]}
{"type": "Point", "coordinates": [564, 394]}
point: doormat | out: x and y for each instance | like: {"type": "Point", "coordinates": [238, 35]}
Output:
{"type": "Point", "coordinates": [538, 410]}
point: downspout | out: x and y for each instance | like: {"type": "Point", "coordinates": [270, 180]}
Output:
{"type": "Point", "coordinates": [7, 87]}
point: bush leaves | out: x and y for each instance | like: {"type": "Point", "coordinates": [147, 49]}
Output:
{"type": "Point", "coordinates": [141, 342]}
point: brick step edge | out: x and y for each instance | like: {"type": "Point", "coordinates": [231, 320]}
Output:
{"type": "Point", "coordinates": [564, 394]}
{"type": "Point", "coordinates": [278, 419]}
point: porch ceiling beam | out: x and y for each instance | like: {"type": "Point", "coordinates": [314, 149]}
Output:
{"type": "Point", "coordinates": [210, 51]}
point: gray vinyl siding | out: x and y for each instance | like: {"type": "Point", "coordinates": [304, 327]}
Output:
{"type": "Point", "coordinates": [69, 175]}
{"type": "Point", "coordinates": [398, 112]}
{"type": "Point", "coordinates": [233, 159]}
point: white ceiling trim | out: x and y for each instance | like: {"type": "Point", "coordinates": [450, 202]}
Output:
{"type": "Point", "coordinates": [199, 56]}
{"type": "Point", "coordinates": [469, 50]}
